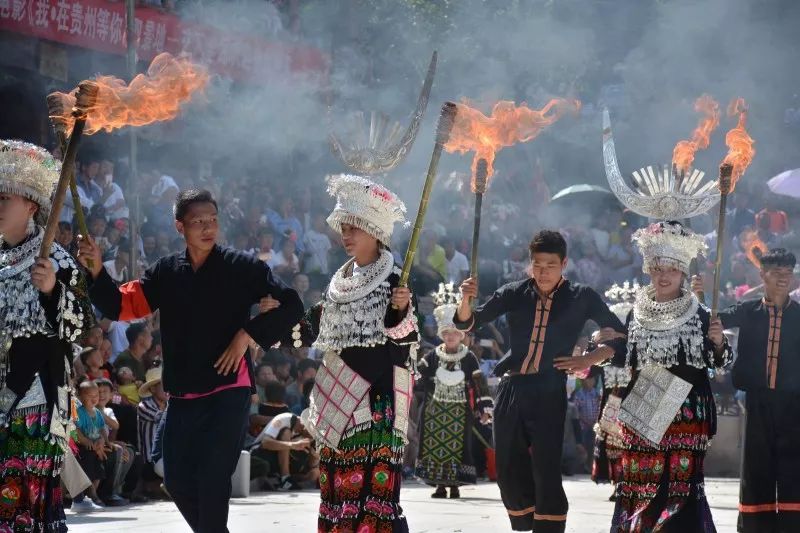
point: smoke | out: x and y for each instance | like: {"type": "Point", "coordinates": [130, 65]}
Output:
{"type": "Point", "coordinates": [648, 61]}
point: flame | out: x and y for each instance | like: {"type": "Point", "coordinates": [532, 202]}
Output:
{"type": "Point", "coordinates": [152, 97]}
{"type": "Point", "coordinates": [754, 247]}
{"type": "Point", "coordinates": [508, 124]}
{"type": "Point", "coordinates": [740, 144]}
{"type": "Point", "coordinates": [683, 154]}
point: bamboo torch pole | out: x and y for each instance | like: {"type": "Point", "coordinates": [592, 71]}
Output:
{"type": "Point", "coordinates": [725, 172]}
{"type": "Point", "coordinates": [443, 128]}
{"type": "Point", "coordinates": [85, 100]}
{"type": "Point", "coordinates": [56, 107]}
{"type": "Point", "coordinates": [481, 173]}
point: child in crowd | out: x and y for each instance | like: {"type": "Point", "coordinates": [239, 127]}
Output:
{"type": "Point", "coordinates": [126, 384]}
{"type": "Point", "coordinates": [92, 359]}
{"type": "Point", "coordinates": [93, 445]}
{"type": "Point", "coordinates": [122, 454]}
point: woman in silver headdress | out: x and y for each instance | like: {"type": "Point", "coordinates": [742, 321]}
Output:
{"type": "Point", "coordinates": [456, 398]}
{"type": "Point", "coordinates": [672, 344]}
{"type": "Point", "coordinates": [42, 310]}
{"type": "Point", "coordinates": [368, 332]}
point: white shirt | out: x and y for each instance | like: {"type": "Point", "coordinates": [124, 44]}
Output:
{"type": "Point", "coordinates": [163, 184]}
{"type": "Point", "coordinates": [116, 196]}
{"type": "Point", "coordinates": [456, 267]}
{"type": "Point", "coordinates": [111, 268]}
{"type": "Point", "coordinates": [317, 245]}
{"type": "Point", "coordinates": [119, 341]}
{"type": "Point", "coordinates": [276, 425]}
{"type": "Point", "coordinates": [68, 211]}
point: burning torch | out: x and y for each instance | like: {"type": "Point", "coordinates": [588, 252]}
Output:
{"type": "Point", "coordinates": [85, 99]}
{"type": "Point", "coordinates": [740, 155]}
{"type": "Point", "coordinates": [57, 106]}
{"type": "Point", "coordinates": [443, 128]}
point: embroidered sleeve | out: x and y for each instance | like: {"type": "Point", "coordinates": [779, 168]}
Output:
{"type": "Point", "coordinates": [73, 311]}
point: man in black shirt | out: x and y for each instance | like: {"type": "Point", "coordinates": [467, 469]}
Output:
{"type": "Point", "coordinates": [204, 295]}
{"type": "Point", "coordinates": [768, 370]}
{"type": "Point", "coordinates": [546, 314]}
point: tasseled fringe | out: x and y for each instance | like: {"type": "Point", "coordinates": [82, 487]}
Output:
{"type": "Point", "coordinates": [449, 393]}
{"type": "Point", "coordinates": [661, 347]}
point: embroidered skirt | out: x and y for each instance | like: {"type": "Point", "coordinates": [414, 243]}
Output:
{"type": "Point", "coordinates": [360, 483]}
{"type": "Point", "coordinates": [445, 456]}
{"type": "Point", "coordinates": [662, 488]}
{"type": "Point", "coordinates": [608, 446]}
{"type": "Point", "coordinates": [30, 493]}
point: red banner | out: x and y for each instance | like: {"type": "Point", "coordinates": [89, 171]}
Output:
{"type": "Point", "coordinates": [100, 25]}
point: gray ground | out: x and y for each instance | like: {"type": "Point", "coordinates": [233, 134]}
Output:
{"type": "Point", "coordinates": [479, 510]}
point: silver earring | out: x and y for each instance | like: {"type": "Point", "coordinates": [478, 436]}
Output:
{"type": "Point", "coordinates": [31, 226]}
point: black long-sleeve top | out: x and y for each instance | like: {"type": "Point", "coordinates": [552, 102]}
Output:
{"type": "Point", "coordinates": [543, 328]}
{"type": "Point", "coordinates": [69, 314]}
{"type": "Point", "coordinates": [769, 345]}
{"type": "Point", "coordinates": [201, 311]}
{"type": "Point", "coordinates": [475, 382]}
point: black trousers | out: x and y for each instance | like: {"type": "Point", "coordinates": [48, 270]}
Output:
{"type": "Point", "coordinates": [529, 436]}
{"type": "Point", "coordinates": [769, 499]}
{"type": "Point", "coordinates": [203, 438]}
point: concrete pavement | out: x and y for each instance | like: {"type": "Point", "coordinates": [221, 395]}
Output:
{"type": "Point", "coordinates": [478, 511]}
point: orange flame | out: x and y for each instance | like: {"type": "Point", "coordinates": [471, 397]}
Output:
{"type": "Point", "coordinates": [507, 125]}
{"type": "Point", "coordinates": [683, 154]}
{"type": "Point", "coordinates": [740, 144]}
{"type": "Point", "coordinates": [152, 97]}
{"type": "Point", "coordinates": [753, 246]}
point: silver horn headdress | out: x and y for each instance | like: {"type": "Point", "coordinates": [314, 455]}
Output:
{"type": "Point", "coordinates": [661, 193]}
{"type": "Point", "coordinates": [378, 150]}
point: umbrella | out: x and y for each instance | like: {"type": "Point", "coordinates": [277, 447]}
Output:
{"type": "Point", "coordinates": [786, 183]}
{"type": "Point", "coordinates": [583, 189]}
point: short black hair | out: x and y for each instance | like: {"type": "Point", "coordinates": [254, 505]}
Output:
{"type": "Point", "coordinates": [548, 242]}
{"type": "Point", "coordinates": [192, 196]}
{"type": "Point", "coordinates": [103, 382]}
{"type": "Point", "coordinates": [133, 332]}
{"type": "Point", "coordinates": [305, 364]}
{"type": "Point", "coordinates": [777, 258]}
{"type": "Point", "coordinates": [65, 226]}
{"type": "Point", "coordinates": [274, 392]}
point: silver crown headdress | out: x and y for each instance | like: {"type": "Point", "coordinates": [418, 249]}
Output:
{"type": "Point", "coordinates": [29, 171]}
{"type": "Point", "coordinates": [661, 193]}
{"type": "Point", "coordinates": [621, 298]}
{"type": "Point", "coordinates": [668, 243]}
{"type": "Point", "coordinates": [381, 148]}
{"type": "Point", "coordinates": [446, 300]}
{"type": "Point", "coordinates": [366, 205]}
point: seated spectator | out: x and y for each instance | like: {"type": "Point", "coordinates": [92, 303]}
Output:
{"type": "Point", "coordinates": [105, 353]}
{"type": "Point", "coordinates": [151, 410]}
{"type": "Point", "coordinates": [271, 402]}
{"type": "Point", "coordinates": [317, 245]}
{"type": "Point", "coordinates": [305, 402]}
{"type": "Point", "coordinates": [284, 447]}
{"type": "Point", "coordinates": [139, 342]}
{"type": "Point", "coordinates": [457, 264]}
{"type": "Point", "coordinates": [121, 456]}
{"type": "Point", "coordinates": [301, 284]}
{"type": "Point", "coordinates": [117, 267]}
{"type": "Point", "coordinates": [264, 251]}
{"type": "Point", "coordinates": [285, 264]}
{"type": "Point", "coordinates": [285, 223]}
{"type": "Point", "coordinates": [126, 384]}
{"type": "Point", "coordinates": [92, 361]}
{"type": "Point", "coordinates": [65, 237]}
{"type": "Point", "coordinates": [305, 370]}
{"type": "Point", "coordinates": [776, 220]}
{"type": "Point", "coordinates": [274, 403]}
{"type": "Point", "coordinates": [93, 444]}
{"type": "Point", "coordinates": [93, 337]}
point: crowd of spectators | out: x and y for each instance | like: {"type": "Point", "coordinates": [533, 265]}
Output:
{"type": "Point", "coordinates": [284, 224]}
